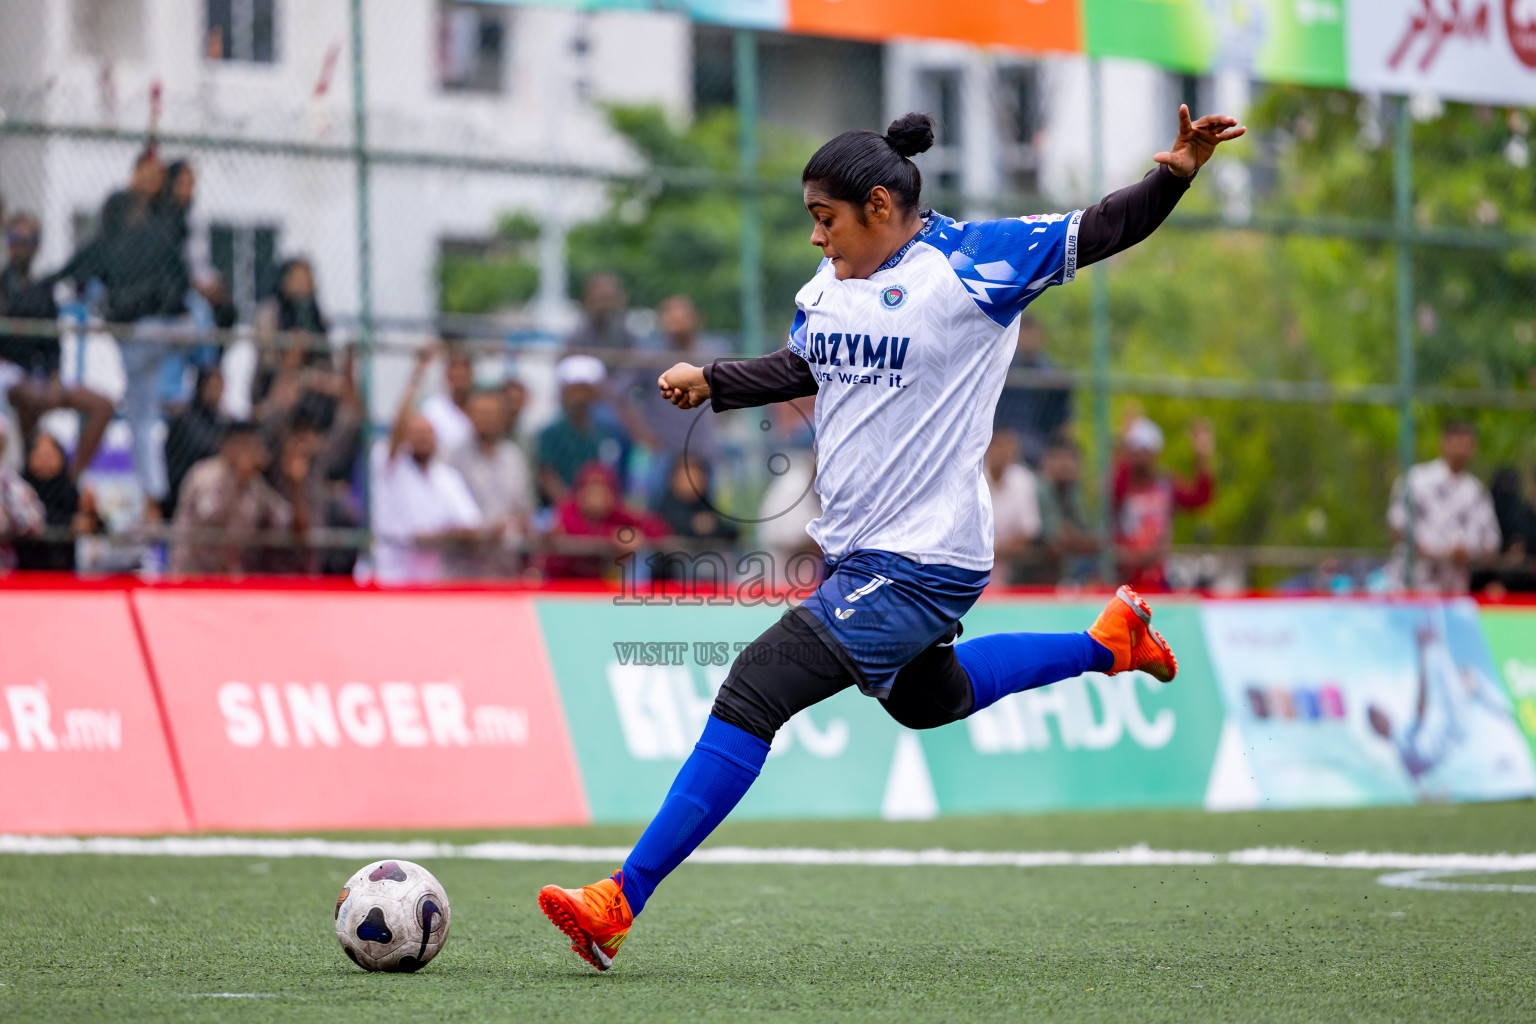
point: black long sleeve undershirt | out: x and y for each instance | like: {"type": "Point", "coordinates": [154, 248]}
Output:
{"type": "Point", "coordinates": [1113, 224]}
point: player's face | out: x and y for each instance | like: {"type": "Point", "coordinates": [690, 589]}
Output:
{"type": "Point", "coordinates": [843, 236]}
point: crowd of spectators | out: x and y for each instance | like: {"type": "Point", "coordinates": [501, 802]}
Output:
{"type": "Point", "coordinates": [458, 488]}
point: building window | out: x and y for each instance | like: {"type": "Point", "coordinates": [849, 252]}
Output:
{"type": "Point", "coordinates": [471, 47]}
{"type": "Point", "coordinates": [1190, 89]}
{"type": "Point", "coordinates": [1019, 121]}
{"type": "Point", "coordinates": [110, 29]}
{"type": "Point", "coordinates": [245, 255]}
{"type": "Point", "coordinates": [241, 30]}
{"type": "Point", "coordinates": [938, 93]}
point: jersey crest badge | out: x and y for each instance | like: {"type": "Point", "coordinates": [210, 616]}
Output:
{"type": "Point", "coordinates": [893, 297]}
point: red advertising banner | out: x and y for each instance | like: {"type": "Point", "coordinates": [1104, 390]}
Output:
{"type": "Point", "coordinates": [362, 710]}
{"type": "Point", "coordinates": [82, 747]}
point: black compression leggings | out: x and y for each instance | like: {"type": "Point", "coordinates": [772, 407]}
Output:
{"type": "Point", "coordinates": [790, 667]}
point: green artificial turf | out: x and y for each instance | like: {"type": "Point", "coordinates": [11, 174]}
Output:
{"type": "Point", "coordinates": [148, 938]}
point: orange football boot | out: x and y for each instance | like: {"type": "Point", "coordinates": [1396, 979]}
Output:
{"type": "Point", "coordinates": [1125, 627]}
{"type": "Point", "coordinates": [596, 918]}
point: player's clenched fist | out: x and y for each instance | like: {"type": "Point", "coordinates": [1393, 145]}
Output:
{"type": "Point", "coordinates": [684, 386]}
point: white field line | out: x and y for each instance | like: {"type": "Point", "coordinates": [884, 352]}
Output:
{"type": "Point", "coordinates": [1132, 856]}
{"type": "Point", "coordinates": [1426, 878]}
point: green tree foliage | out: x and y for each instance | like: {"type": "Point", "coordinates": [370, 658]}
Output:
{"type": "Point", "coordinates": [1251, 306]}
{"type": "Point", "coordinates": [504, 273]}
{"type": "Point", "coordinates": [663, 239]}
{"type": "Point", "coordinates": [1233, 303]}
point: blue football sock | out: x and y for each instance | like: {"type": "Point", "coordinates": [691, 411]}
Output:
{"type": "Point", "coordinates": [1005, 663]}
{"type": "Point", "coordinates": [713, 779]}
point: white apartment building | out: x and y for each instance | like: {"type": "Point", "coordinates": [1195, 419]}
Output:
{"type": "Point", "coordinates": [478, 80]}
{"type": "Point", "coordinates": [483, 81]}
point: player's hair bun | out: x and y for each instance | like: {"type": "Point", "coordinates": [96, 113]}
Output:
{"type": "Point", "coordinates": [910, 134]}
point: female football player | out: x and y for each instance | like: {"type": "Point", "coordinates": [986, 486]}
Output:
{"type": "Point", "coordinates": [904, 335]}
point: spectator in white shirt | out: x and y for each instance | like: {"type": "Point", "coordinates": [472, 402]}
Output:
{"type": "Point", "coordinates": [1015, 502]}
{"type": "Point", "coordinates": [1452, 519]}
{"type": "Point", "coordinates": [422, 509]}
{"type": "Point", "coordinates": [497, 473]}
{"type": "Point", "coordinates": [448, 411]}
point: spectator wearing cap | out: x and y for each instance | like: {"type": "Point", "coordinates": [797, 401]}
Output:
{"type": "Point", "coordinates": [578, 435]}
{"type": "Point", "coordinates": [226, 503]}
{"type": "Point", "coordinates": [421, 508]}
{"type": "Point", "coordinates": [1146, 498]}
{"type": "Point", "coordinates": [603, 307]}
{"type": "Point", "coordinates": [497, 474]}
{"type": "Point", "coordinates": [1454, 524]}
{"type": "Point", "coordinates": [448, 411]}
{"type": "Point", "coordinates": [21, 512]}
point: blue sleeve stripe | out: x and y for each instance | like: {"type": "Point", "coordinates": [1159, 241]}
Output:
{"type": "Point", "coordinates": [797, 339]}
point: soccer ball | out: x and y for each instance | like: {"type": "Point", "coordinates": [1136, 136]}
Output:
{"type": "Point", "coordinates": [392, 916]}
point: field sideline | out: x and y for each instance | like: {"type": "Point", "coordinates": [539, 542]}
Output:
{"type": "Point", "coordinates": [249, 937]}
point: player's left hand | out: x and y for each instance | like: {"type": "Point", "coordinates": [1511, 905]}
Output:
{"type": "Point", "coordinates": [1197, 141]}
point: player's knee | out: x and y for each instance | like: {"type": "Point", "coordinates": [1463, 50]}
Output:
{"type": "Point", "coordinates": [924, 715]}
{"type": "Point", "coordinates": [734, 707]}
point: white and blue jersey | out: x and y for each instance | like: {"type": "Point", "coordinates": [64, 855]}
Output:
{"type": "Point", "coordinates": [909, 364]}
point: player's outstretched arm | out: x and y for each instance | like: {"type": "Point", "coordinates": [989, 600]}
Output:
{"type": "Point", "coordinates": [1123, 218]}
{"type": "Point", "coordinates": [738, 383]}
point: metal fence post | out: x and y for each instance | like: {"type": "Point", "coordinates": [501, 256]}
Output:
{"type": "Point", "coordinates": [745, 54]}
{"type": "Point", "coordinates": [364, 249]}
{"type": "Point", "coordinates": [1402, 223]}
{"type": "Point", "coordinates": [1098, 328]}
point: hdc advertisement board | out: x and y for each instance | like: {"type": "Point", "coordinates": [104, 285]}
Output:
{"type": "Point", "coordinates": [645, 678]}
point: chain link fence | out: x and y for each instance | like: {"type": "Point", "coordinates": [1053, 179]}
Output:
{"type": "Point", "coordinates": [293, 289]}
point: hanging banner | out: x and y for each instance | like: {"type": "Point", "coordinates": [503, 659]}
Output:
{"type": "Point", "coordinates": [1277, 40]}
{"type": "Point", "coordinates": [1358, 702]}
{"type": "Point", "coordinates": [1039, 26]}
{"type": "Point", "coordinates": [1483, 51]}
{"type": "Point", "coordinates": [82, 749]}
{"type": "Point", "coordinates": [1479, 51]}
{"type": "Point", "coordinates": [336, 711]}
